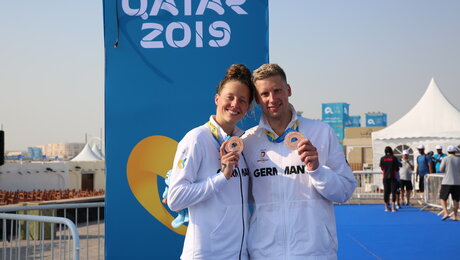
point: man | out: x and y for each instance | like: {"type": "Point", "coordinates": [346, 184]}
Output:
{"type": "Point", "coordinates": [390, 168]}
{"type": "Point", "coordinates": [405, 174]}
{"type": "Point", "coordinates": [450, 182]}
{"type": "Point", "coordinates": [437, 158]}
{"type": "Point", "coordinates": [423, 167]}
{"type": "Point", "coordinates": [292, 190]}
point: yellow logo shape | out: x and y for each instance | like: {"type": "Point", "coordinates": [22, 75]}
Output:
{"type": "Point", "coordinates": [151, 157]}
{"type": "Point", "coordinates": [181, 163]}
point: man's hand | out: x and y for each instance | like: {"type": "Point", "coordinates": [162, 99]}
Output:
{"type": "Point", "coordinates": [308, 154]}
{"type": "Point", "coordinates": [228, 161]}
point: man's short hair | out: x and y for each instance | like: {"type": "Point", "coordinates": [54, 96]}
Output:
{"type": "Point", "coordinates": [388, 150]}
{"type": "Point", "coordinates": [268, 70]}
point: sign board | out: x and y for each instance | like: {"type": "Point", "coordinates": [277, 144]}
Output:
{"type": "Point", "coordinates": [164, 59]}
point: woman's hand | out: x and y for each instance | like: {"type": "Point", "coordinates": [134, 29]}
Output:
{"type": "Point", "coordinates": [228, 161]}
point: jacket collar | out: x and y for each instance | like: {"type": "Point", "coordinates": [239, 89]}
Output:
{"type": "Point", "coordinates": [221, 135]}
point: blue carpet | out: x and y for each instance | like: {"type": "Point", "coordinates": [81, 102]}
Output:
{"type": "Point", "coordinates": [368, 232]}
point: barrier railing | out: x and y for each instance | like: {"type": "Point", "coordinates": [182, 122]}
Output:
{"type": "Point", "coordinates": [19, 249]}
{"type": "Point", "coordinates": [432, 188]}
{"type": "Point", "coordinates": [369, 187]}
{"type": "Point", "coordinates": [23, 232]}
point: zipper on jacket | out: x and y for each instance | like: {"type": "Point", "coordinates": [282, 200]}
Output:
{"type": "Point", "coordinates": [242, 213]}
{"type": "Point", "coordinates": [283, 204]}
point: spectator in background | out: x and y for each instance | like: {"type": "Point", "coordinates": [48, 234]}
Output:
{"type": "Point", "coordinates": [423, 167]}
{"type": "Point", "coordinates": [398, 190]}
{"type": "Point", "coordinates": [432, 163]}
{"type": "Point", "coordinates": [405, 174]}
{"type": "Point", "coordinates": [451, 181]}
{"type": "Point", "coordinates": [437, 158]}
{"type": "Point", "coordinates": [390, 168]}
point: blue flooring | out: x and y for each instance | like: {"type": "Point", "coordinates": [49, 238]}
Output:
{"type": "Point", "coordinates": [368, 232]}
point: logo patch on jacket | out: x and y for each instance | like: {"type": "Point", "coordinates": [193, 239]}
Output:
{"type": "Point", "coordinates": [181, 162]}
{"type": "Point", "coordinates": [263, 156]}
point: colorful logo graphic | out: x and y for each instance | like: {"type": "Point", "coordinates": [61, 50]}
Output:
{"type": "Point", "coordinates": [181, 163]}
{"type": "Point", "coordinates": [262, 154]}
{"type": "Point", "coordinates": [150, 158]}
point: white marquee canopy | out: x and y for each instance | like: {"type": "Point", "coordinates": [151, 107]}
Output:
{"type": "Point", "coordinates": [432, 121]}
{"type": "Point", "coordinates": [87, 154]}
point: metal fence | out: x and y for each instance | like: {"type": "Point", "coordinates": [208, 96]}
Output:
{"type": "Point", "coordinates": [431, 194]}
{"type": "Point", "coordinates": [58, 231]}
{"type": "Point", "coordinates": [370, 187]}
{"type": "Point", "coordinates": [432, 188]}
{"type": "Point", "coordinates": [19, 249]}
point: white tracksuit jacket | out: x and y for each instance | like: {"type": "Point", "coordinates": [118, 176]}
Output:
{"type": "Point", "coordinates": [293, 214]}
{"type": "Point", "coordinates": [218, 223]}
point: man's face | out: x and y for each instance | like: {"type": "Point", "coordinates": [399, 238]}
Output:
{"type": "Point", "coordinates": [421, 151]}
{"type": "Point", "coordinates": [273, 96]}
{"type": "Point", "coordinates": [439, 151]}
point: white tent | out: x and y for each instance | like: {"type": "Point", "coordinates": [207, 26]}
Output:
{"type": "Point", "coordinates": [432, 121]}
{"type": "Point", "coordinates": [97, 152]}
{"type": "Point", "coordinates": [86, 154]}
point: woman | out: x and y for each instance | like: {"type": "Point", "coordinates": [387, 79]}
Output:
{"type": "Point", "coordinates": [212, 182]}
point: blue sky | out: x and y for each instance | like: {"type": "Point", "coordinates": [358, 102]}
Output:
{"type": "Point", "coordinates": [374, 55]}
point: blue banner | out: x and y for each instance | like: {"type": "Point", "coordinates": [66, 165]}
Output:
{"type": "Point", "coordinates": [164, 60]}
{"type": "Point", "coordinates": [379, 119]}
{"type": "Point", "coordinates": [34, 153]}
{"type": "Point", "coordinates": [353, 121]}
{"type": "Point", "coordinates": [336, 113]}
{"type": "Point", "coordinates": [339, 131]}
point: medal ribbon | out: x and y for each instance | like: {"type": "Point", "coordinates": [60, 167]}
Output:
{"type": "Point", "coordinates": [280, 139]}
{"type": "Point", "coordinates": [215, 133]}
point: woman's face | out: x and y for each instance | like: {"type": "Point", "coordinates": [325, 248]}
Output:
{"type": "Point", "coordinates": [232, 102]}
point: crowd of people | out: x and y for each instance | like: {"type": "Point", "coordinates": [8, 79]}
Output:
{"type": "Point", "coordinates": [397, 176]}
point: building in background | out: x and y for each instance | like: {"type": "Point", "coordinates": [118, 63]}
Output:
{"type": "Point", "coordinates": [61, 150]}
{"type": "Point", "coordinates": [376, 119]}
{"type": "Point", "coordinates": [86, 171]}
{"type": "Point", "coordinates": [15, 155]}
{"type": "Point", "coordinates": [356, 140]}
{"type": "Point", "coordinates": [358, 147]}
{"type": "Point", "coordinates": [29, 176]}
